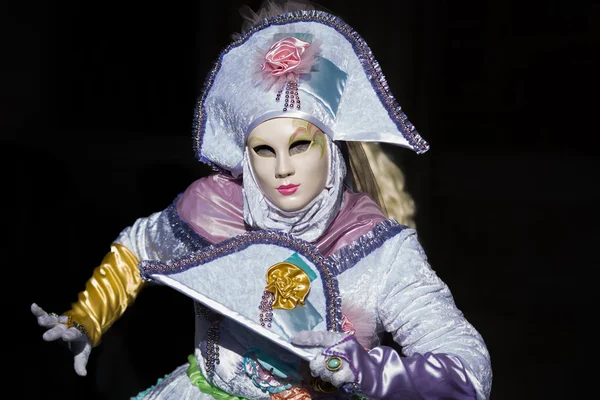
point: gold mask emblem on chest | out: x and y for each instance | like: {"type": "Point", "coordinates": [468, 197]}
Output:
{"type": "Point", "coordinates": [288, 283]}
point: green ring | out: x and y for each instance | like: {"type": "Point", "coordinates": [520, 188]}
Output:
{"type": "Point", "coordinates": [333, 363]}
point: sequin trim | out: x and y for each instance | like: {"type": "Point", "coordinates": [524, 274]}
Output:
{"type": "Point", "coordinates": [213, 336]}
{"type": "Point", "coordinates": [370, 65]}
{"type": "Point", "coordinates": [333, 301]}
{"type": "Point", "coordinates": [183, 231]}
{"type": "Point", "coordinates": [349, 255]}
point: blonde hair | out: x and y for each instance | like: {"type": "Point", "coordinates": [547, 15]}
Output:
{"type": "Point", "coordinates": [399, 204]}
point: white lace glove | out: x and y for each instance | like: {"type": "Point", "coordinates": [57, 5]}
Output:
{"type": "Point", "coordinates": [76, 340]}
{"type": "Point", "coordinates": [330, 369]}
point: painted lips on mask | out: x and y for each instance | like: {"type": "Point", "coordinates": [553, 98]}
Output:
{"type": "Point", "coordinates": [287, 190]}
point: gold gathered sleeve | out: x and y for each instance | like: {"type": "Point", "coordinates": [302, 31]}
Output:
{"type": "Point", "coordinates": [113, 286]}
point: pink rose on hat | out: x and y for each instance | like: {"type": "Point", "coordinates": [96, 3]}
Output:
{"type": "Point", "coordinates": [286, 59]}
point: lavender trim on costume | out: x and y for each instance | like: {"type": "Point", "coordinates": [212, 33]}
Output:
{"type": "Point", "coordinates": [349, 255]}
{"type": "Point", "coordinates": [240, 242]}
{"type": "Point", "coordinates": [196, 126]}
{"type": "Point", "coordinates": [199, 124]}
{"type": "Point", "coordinates": [183, 231]}
{"type": "Point", "coordinates": [370, 64]}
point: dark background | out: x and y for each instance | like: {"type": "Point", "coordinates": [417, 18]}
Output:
{"type": "Point", "coordinates": [96, 113]}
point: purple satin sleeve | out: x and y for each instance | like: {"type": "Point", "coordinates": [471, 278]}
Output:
{"type": "Point", "coordinates": [383, 374]}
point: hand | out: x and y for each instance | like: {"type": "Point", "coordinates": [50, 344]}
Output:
{"type": "Point", "coordinates": [77, 341]}
{"type": "Point", "coordinates": [382, 373]}
{"type": "Point", "coordinates": [335, 370]}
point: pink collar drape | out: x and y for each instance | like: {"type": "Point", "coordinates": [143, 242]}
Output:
{"type": "Point", "coordinates": [213, 207]}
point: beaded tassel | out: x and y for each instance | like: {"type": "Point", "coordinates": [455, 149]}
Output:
{"type": "Point", "coordinates": [291, 95]}
{"type": "Point", "coordinates": [266, 308]}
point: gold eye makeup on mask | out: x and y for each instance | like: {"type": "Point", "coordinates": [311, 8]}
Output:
{"type": "Point", "coordinates": [306, 134]}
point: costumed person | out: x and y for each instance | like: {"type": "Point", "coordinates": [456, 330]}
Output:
{"type": "Point", "coordinates": [295, 274]}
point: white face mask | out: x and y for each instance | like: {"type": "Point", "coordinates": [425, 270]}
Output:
{"type": "Point", "coordinates": [290, 161]}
